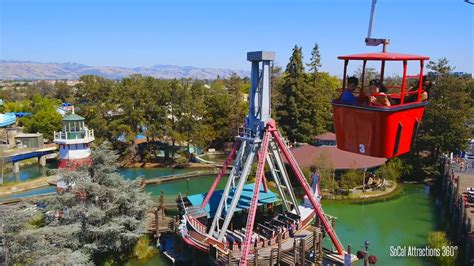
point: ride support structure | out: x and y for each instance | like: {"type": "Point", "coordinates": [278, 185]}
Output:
{"type": "Point", "coordinates": [369, 41]}
{"type": "Point", "coordinates": [259, 139]}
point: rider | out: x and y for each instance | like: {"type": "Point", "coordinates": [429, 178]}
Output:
{"type": "Point", "coordinates": [347, 96]}
{"type": "Point", "coordinates": [378, 94]}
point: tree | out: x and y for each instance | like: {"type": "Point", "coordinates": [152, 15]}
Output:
{"type": "Point", "coordinates": [235, 85]}
{"type": "Point", "coordinates": [276, 86]}
{"type": "Point", "coordinates": [324, 88]}
{"type": "Point", "coordinates": [17, 106]}
{"type": "Point", "coordinates": [297, 115]}
{"type": "Point", "coordinates": [219, 108]}
{"type": "Point", "coordinates": [325, 91]}
{"type": "Point", "coordinates": [392, 170]}
{"type": "Point", "coordinates": [99, 217]}
{"type": "Point", "coordinates": [441, 67]}
{"type": "Point", "coordinates": [370, 74]}
{"type": "Point", "coordinates": [44, 118]}
{"type": "Point", "coordinates": [324, 167]}
{"type": "Point", "coordinates": [63, 91]}
{"type": "Point", "coordinates": [350, 179]}
{"type": "Point", "coordinates": [315, 61]}
{"type": "Point", "coordinates": [444, 123]}
{"type": "Point", "coordinates": [98, 100]}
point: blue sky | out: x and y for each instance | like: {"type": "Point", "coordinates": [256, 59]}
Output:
{"type": "Point", "coordinates": [219, 33]}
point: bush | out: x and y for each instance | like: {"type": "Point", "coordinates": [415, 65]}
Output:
{"type": "Point", "coordinates": [36, 221]}
{"type": "Point", "coordinates": [438, 240]}
{"type": "Point", "coordinates": [325, 169]}
{"type": "Point", "coordinates": [392, 170]}
{"type": "Point", "coordinates": [143, 250]}
{"type": "Point", "coordinates": [351, 179]}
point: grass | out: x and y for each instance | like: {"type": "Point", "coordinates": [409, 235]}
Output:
{"type": "Point", "coordinates": [351, 198]}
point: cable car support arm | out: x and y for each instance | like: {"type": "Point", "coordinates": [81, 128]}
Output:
{"type": "Point", "coordinates": [369, 41]}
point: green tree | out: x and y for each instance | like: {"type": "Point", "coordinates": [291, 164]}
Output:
{"type": "Point", "coordinates": [17, 106]}
{"type": "Point", "coordinates": [444, 123]}
{"type": "Point", "coordinates": [63, 91]}
{"type": "Point", "coordinates": [441, 67]}
{"type": "Point", "coordinates": [325, 90]}
{"type": "Point", "coordinates": [44, 118]}
{"type": "Point", "coordinates": [392, 170]}
{"type": "Point", "coordinates": [276, 79]}
{"type": "Point", "coordinates": [297, 114]}
{"type": "Point", "coordinates": [235, 85]}
{"type": "Point", "coordinates": [219, 108]}
{"type": "Point", "coordinates": [370, 74]}
{"type": "Point", "coordinates": [325, 168]}
{"type": "Point", "coordinates": [98, 100]}
{"type": "Point", "coordinates": [315, 61]}
{"type": "Point", "coordinates": [324, 87]}
{"type": "Point", "coordinates": [350, 179]}
{"type": "Point", "coordinates": [99, 218]}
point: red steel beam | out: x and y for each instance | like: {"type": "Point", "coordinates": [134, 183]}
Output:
{"type": "Point", "coordinates": [308, 193]}
{"type": "Point", "coordinates": [262, 155]}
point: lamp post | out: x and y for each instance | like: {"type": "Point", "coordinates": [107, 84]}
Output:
{"type": "Point", "coordinates": [366, 245]}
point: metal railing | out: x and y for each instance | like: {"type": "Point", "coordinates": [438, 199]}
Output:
{"type": "Point", "coordinates": [85, 134]}
{"type": "Point", "coordinates": [245, 132]}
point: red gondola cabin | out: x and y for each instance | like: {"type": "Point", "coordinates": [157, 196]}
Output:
{"type": "Point", "coordinates": [381, 131]}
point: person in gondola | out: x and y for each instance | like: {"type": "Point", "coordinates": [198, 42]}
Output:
{"type": "Point", "coordinates": [378, 96]}
{"type": "Point", "coordinates": [348, 96]}
{"type": "Point", "coordinates": [413, 97]}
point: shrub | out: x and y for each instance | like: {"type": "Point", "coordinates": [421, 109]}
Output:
{"type": "Point", "coordinates": [351, 179]}
{"type": "Point", "coordinates": [438, 240]}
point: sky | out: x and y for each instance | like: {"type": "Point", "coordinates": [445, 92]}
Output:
{"type": "Point", "coordinates": [218, 34]}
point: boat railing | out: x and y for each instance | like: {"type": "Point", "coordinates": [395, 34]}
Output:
{"type": "Point", "coordinates": [201, 228]}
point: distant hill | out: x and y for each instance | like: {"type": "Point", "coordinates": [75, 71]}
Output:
{"type": "Point", "coordinates": [21, 70]}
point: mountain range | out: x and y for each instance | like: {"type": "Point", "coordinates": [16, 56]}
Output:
{"type": "Point", "coordinates": [28, 70]}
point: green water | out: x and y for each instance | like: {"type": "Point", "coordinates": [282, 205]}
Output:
{"type": "Point", "coordinates": [29, 172]}
{"type": "Point", "coordinates": [403, 221]}
{"type": "Point", "coordinates": [147, 173]}
{"type": "Point", "coordinates": [214, 157]}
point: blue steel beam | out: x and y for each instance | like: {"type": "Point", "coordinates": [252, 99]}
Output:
{"type": "Point", "coordinates": [24, 156]}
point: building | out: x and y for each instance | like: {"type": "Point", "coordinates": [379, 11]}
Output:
{"type": "Point", "coordinates": [324, 149]}
{"type": "Point", "coordinates": [28, 141]}
{"type": "Point", "coordinates": [74, 142]}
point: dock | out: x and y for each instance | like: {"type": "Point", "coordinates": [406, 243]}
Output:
{"type": "Point", "coordinates": [304, 248]}
{"type": "Point", "coordinates": [171, 178]}
{"type": "Point", "coordinates": [454, 185]}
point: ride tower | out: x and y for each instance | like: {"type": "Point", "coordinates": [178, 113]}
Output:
{"type": "Point", "coordinates": [260, 141]}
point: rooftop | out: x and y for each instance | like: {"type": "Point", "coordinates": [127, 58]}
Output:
{"type": "Point", "coordinates": [244, 202]}
{"type": "Point", "coordinates": [30, 135]}
{"type": "Point", "coordinates": [326, 136]}
{"type": "Point", "coordinates": [306, 155]}
{"type": "Point", "coordinates": [383, 56]}
{"type": "Point", "coordinates": [73, 117]}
